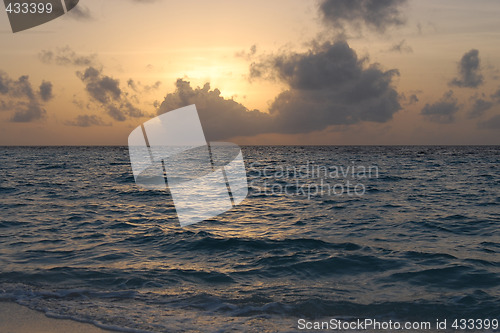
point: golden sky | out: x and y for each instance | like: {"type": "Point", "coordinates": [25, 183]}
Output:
{"type": "Point", "coordinates": [413, 72]}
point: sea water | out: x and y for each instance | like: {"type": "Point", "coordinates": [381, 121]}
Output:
{"type": "Point", "coordinates": [391, 233]}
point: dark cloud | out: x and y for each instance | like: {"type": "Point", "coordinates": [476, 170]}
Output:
{"type": "Point", "coordinates": [28, 112]}
{"type": "Point", "coordinates": [116, 113]}
{"type": "Point", "coordinates": [493, 123]}
{"type": "Point", "coordinates": [442, 111]}
{"type": "Point", "coordinates": [19, 96]}
{"type": "Point", "coordinates": [87, 121]}
{"type": "Point", "coordinates": [221, 118]}
{"type": "Point", "coordinates": [100, 87]}
{"type": "Point", "coordinates": [328, 85]}
{"type": "Point", "coordinates": [131, 110]}
{"type": "Point", "coordinates": [469, 71]}
{"type": "Point", "coordinates": [323, 65]}
{"type": "Point", "coordinates": [131, 83]}
{"type": "Point", "coordinates": [66, 57]}
{"type": "Point", "coordinates": [20, 88]}
{"type": "Point", "coordinates": [106, 91]}
{"type": "Point", "coordinates": [401, 47]}
{"type": "Point", "coordinates": [46, 91]}
{"type": "Point", "coordinates": [479, 107]}
{"type": "Point", "coordinates": [374, 14]}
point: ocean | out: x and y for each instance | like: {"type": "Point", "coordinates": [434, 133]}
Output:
{"type": "Point", "coordinates": [401, 233]}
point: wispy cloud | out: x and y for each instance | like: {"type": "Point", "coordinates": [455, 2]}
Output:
{"type": "Point", "coordinates": [401, 47]}
{"type": "Point", "coordinates": [138, 87]}
{"type": "Point", "coordinates": [65, 56]}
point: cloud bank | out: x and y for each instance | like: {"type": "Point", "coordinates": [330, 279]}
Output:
{"type": "Point", "coordinates": [328, 85]}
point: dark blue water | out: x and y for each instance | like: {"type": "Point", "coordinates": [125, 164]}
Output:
{"type": "Point", "coordinates": [419, 240]}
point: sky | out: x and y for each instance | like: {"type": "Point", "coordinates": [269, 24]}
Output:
{"type": "Point", "coordinates": [281, 72]}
